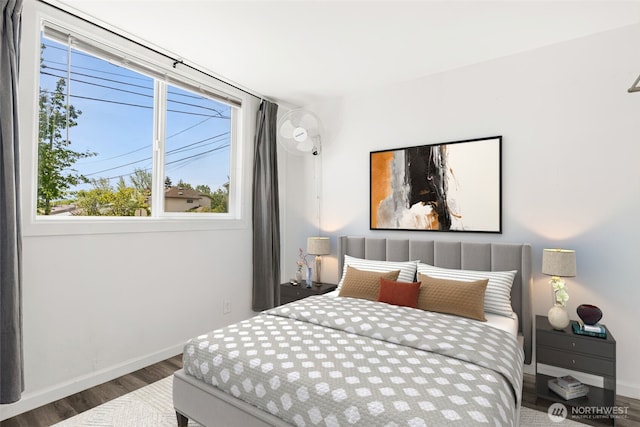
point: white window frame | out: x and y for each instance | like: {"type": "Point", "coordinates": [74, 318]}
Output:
{"type": "Point", "coordinates": [35, 16]}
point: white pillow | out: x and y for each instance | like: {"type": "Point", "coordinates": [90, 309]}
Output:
{"type": "Point", "coordinates": [407, 268]}
{"type": "Point", "coordinates": [497, 298]}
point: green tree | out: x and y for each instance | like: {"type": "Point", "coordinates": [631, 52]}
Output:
{"type": "Point", "coordinates": [94, 202]}
{"type": "Point", "coordinates": [204, 189]}
{"type": "Point", "coordinates": [103, 200]}
{"type": "Point", "coordinates": [185, 185]}
{"type": "Point", "coordinates": [124, 202]}
{"type": "Point", "coordinates": [220, 199]}
{"type": "Point", "coordinates": [141, 180]}
{"type": "Point", "coordinates": [55, 159]}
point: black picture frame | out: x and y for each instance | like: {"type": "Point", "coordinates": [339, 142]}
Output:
{"type": "Point", "coordinates": [451, 186]}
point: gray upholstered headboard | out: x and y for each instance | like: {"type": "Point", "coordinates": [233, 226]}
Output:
{"type": "Point", "coordinates": [461, 255]}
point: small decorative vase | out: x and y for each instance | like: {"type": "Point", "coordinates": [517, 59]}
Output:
{"type": "Point", "coordinates": [558, 317]}
{"type": "Point", "coordinates": [309, 278]}
{"type": "Point", "coordinates": [299, 275]}
{"type": "Point", "coordinates": [589, 314]}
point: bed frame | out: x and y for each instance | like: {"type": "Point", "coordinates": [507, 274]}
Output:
{"type": "Point", "coordinates": [208, 406]}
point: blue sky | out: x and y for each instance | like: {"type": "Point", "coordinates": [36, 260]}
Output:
{"type": "Point", "coordinates": [117, 122]}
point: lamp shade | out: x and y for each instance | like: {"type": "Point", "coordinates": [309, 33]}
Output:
{"type": "Point", "coordinates": [559, 262]}
{"type": "Point", "coordinates": [318, 246]}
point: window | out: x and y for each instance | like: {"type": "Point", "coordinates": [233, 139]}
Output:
{"type": "Point", "coordinates": [121, 136]}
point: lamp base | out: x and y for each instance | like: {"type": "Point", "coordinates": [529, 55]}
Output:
{"type": "Point", "coordinates": [558, 317]}
{"type": "Point", "coordinates": [318, 268]}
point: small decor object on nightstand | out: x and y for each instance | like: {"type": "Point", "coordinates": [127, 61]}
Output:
{"type": "Point", "coordinates": [309, 279]}
{"type": "Point", "coordinates": [568, 387]}
{"type": "Point", "coordinates": [589, 314]}
{"type": "Point", "coordinates": [558, 317]}
{"type": "Point", "coordinates": [559, 263]}
{"type": "Point", "coordinates": [568, 382]}
{"type": "Point", "coordinates": [302, 273]}
{"type": "Point", "coordinates": [597, 331]}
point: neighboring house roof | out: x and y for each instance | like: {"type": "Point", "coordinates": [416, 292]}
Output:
{"type": "Point", "coordinates": [182, 193]}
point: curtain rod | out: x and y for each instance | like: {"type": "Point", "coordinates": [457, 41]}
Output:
{"type": "Point", "coordinates": [635, 87]}
{"type": "Point", "coordinates": [175, 61]}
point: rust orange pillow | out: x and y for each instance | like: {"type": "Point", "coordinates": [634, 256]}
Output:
{"type": "Point", "coordinates": [399, 293]}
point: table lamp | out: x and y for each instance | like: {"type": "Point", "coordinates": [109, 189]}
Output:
{"type": "Point", "coordinates": [318, 246]}
{"type": "Point", "coordinates": [559, 263]}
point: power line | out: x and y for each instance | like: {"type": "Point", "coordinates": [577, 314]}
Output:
{"type": "Point", "coordinates": [80, 67]}
{"type": "Point", "coordinates": [142, 77]}
{"type": "Point", "coordinates": [220, 115]}
{"type": "Point", "coordinates": [128, 104]}
{"type": "Point", "coordinates": [198, 155]}
{"type": "Point", "coordinates": [96, 77]}
{"type": "Point", "coordinates": [64, 70]}
{"type": "Point", "coordinates": [177, 150]}
{"type": "Point", "coordinates": [117, 167]}
{"type": "Point", "coordinates": [99, 85]}
{"type": "Point", "coordinates": [163, 54]}
{"type": "Point", "coordinates": [189, 128]}
{"type": "Point", "coordinates": [172, 162]}
{"type": "Point", "coordinates": [147, 147]}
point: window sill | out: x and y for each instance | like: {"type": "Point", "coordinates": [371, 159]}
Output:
{"type": "Point", "coordinates": [103, 225]}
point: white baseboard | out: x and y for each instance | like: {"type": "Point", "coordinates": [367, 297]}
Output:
{"type": "Point", "coordinates": [628, 390]}
{"type": "Point", "coordinates": [34, 400]}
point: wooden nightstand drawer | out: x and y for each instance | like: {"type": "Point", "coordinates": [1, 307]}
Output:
{"type": "Point", "coordinates": [293, 292]}
{"type": "Point", "coordinates": [576, 361]}
{"type": "Point", "coordinates": [563, 349]}
{"type": "Point", "coordinates": [576, 344]}
{"type": "Point", "coordinates": [290, 293]}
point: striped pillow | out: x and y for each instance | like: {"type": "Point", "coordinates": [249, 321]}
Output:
{"type": "Point", "coordinates": [407, 268]}
{"type": "Point", "coordinates": [497, 297]}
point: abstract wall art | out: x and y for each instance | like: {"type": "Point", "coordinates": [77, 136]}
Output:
{"type": "Point", "coordinates": [451, 186]}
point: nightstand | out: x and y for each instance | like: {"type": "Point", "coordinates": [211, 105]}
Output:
{"type": "Point", "coordinates": [289, 292]}
{"type": "Point", "coordinates": [564, 349]}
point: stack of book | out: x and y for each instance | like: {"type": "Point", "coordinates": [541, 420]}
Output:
{"type": "Point", "coordinates": [568, 387]}
{"type": "Point", "coordinates": [590, 330]}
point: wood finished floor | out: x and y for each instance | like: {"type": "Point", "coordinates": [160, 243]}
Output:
{"type": "Point", "coordinates": [62, 409]}
{"type": "Point", "coordinates": [69, 406]}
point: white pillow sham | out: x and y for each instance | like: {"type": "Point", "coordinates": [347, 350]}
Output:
{"type": "Point", "coordinates": [407, 268]}
{"type": "Point", "coordinates": [497, 298]}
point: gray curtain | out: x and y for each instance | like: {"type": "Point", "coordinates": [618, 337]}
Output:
{"type": "Point", "coordinates": [266, 215]}
{"type": "Point", "coordinates": [11, 372]}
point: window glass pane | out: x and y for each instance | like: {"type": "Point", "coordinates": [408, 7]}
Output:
{"type": "Point", "coordinates": [197, 153]}
{"type": "Point", "coordinates": [95, 145]}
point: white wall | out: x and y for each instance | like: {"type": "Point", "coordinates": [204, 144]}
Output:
{"type": "Point", "coordinates": [99, 306]}
{"type": "Point", "coordinates": [96, 306]}
{"type": "Point", "coordinates": [570, 152]}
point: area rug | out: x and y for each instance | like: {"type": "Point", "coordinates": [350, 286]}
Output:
{"type": "Point", "coordinates": [151, 406]}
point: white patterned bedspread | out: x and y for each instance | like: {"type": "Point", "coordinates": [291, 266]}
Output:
{"type": "Point", "coordinates": [345, 361]}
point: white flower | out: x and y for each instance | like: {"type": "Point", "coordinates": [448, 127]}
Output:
{"type": "Point", "coordinates": [560, 292]}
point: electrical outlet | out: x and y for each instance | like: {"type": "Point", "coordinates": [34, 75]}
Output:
{"type": "Point", "coordinates": [226, 307]}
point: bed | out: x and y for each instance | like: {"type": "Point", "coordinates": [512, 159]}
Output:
{"type": "Point", "coordinates": [342, 360]}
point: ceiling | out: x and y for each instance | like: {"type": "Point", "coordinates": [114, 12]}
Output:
{"type": "Point", "coordinates": [299, 52]}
